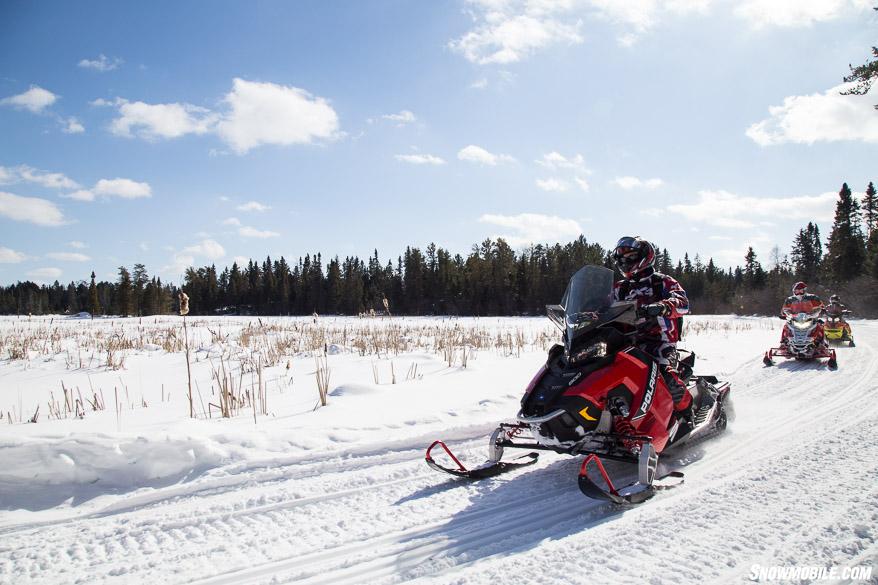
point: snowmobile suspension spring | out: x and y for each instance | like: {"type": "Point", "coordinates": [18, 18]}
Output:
{"type": "Point", "coordinates": [623, 426]}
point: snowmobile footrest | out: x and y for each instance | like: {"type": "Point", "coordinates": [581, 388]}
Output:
{"type": "Point", "coordinates": [488, 469]}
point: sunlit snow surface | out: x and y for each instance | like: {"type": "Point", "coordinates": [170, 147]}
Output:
{"type": "Point", "coordinates": [341, 494]}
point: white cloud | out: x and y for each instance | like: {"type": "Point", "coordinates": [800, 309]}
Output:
{"type": "Point", "coordinates": [10, 256]}
{"type": "Point", "coordinates": [123, 188]}
{"type": "Point", "coordinates": [729, 257]}
{"type": "Point", "coordinates": [232, 221]}
{"type": "Point", "coordinates": [77, 244]}
{"type": "Point", "coordinates": [155, 121]}
{"type": "Point", "coordinates": [507, 32]}
{"type": "Point", "coordinates": [582, 183]}
{"type": "Point", "coordinates": [477, 154]}
{"type": "Point", "coordinates": [45, 274]}
{"type": "Point", "coordinates": [30, 209]}
{"type": "Point", "coordinates": [81, 195]}
{"type": "Point", "coordinates": [179, 264]}
{"type": "Point", "coordinates": [256, 114]}
{"type": "Point", "coordinates": [108, 188]}
{"type": "Point", "coordinates": [827, 116]}
{"type": "Point", "coordinates": [68, 256]}
{"type": "Point", "coordinates": [210, 249]}
{"type": "Point", "coordinates": [403, 117]}
{"type": "Point", "coordinates": [251, 232]}
{"type": "Point", "coordinates": [534, 228]}
{"type": "Point", "coordinates": [639, 16]}
{"type": "Point", "coordinates": [35, 100]}
{"type": "Point", "coordinates": [253, 206]}
{"type": "Point", "coordinates": [555, 161]}
{"type": "Point", "coordinates": [420, 159]}
{"type": "Point", "coordinates": [797, 13]}
{"type": "Point", "coordinates": [72, 126]}
{"type": "Point", "coordinates": [24, 173]}
{"type": "Point", "coordinates": [552, 184]}
{"type": "Point", "coordinates": [635, 183]}
{"type": "Point", "coordinates": [102, 63]}
{"type": "Point", "coordinates": [728, 210]}
{"type": "Point", "coordinates": [266, 113]}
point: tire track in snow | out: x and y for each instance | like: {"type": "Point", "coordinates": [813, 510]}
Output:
{"type": "Point", "coordinates": [399, 555]}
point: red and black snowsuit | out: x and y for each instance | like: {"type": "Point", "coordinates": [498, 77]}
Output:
{"type": "Point", "coordinates": [806, 303]}
{"type": "Point", "coordinates": [658, 336]}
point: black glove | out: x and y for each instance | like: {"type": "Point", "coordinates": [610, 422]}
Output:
{"type": "Point", "coordinates": [656, 310]}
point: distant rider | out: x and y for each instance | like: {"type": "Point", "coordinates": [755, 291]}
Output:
{"type": "Point", "coordinates": [799, 302]}
{"type": "Point", "coordinates": [835, 309]}
{"type": "Point", "coordinates": [662, 300]}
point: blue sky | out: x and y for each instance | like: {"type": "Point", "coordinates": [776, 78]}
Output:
{"type": "Point", "coordinates": [176, 133]}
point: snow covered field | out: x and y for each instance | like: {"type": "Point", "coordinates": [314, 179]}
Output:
{"type": "Point", "coordinates": [287, 490]}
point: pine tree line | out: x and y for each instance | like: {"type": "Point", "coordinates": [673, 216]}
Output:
{"type": "Point", "coordinates": [492, 279]}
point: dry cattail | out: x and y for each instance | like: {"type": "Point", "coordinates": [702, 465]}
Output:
{"type": "Point", "coordinates": [184, 303]}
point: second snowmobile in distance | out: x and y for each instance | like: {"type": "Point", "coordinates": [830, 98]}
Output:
{"type": "Point", "coordinates": [600, 396]}
{"type": "Point", "coordinates": [837, 329]}
{"type": "Point", "coordinates": [803, 339]}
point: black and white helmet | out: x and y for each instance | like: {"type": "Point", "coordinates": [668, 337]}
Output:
{"type": "Point", "coordinates": [633, 256]}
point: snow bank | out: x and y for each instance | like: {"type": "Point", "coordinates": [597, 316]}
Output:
{"type": "Point", "coordinates": [56, 465]}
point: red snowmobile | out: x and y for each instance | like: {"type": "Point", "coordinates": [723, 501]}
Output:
{"type": "Point", "coordinates": [803, 339]}
{"type": "Point", "coordinates": [600, 396]}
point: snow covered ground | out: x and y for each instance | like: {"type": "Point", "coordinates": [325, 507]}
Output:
{"type": "Point", "coordinates": [290, 491]}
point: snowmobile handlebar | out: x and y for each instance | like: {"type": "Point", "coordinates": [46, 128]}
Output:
{"type": "Point", "coordinates": [653, 310]}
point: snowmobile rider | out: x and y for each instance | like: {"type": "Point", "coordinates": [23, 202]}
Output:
{"type": "Point", "coordinates": [799, 302]}
{"type": "Point", "coordinates": [835, 309]}
{"type": "Point", "coordinates": [662, 300]}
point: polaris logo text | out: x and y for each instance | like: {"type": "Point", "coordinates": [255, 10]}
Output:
{"type": "Point", "coordinates": [807, 573]}
{"type": "Point", "coordinates": [650, 391]}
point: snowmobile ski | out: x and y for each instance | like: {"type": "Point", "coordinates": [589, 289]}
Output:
{"type": "Point", "coordinates": [489, 468]}
{"type": "Point", "coordinates": [645, 487]}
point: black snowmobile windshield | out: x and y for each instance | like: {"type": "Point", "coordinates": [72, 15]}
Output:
{"type": "Point", "coordinates": [589, 293]}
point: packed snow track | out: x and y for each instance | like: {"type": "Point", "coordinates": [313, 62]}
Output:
{"type": "Point", "coordinates": [793, 481]}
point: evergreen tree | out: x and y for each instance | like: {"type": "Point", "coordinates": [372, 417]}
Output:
{"type": "Point", "coordinates": [846, 247]}
{"type": "Point", "coordinates": [71, 301]}
{"type": "Point", "coordinates": [872, 255]}
{"type": "Point", "coordinates": [754, 275]}
{"type": "Point", "coordinates": [94, 305]}
{"type": "Point", "coordinates": [807, 253]}
{"type": "Point", "coordinates": [141, 278]}
{"type": "Point", "coordinates": [870, 209]}
{"type": "Point", "coordinates": [863, 75]}
{"type": "Point", "coordinates": [123, 292]}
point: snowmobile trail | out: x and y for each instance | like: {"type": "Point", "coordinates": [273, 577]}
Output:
{"type": "Point", "coordinates": [410, 554]}
{"type": "Point", "coordinates": [791, 481]}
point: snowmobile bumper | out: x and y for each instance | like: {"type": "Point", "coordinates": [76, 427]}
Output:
{"type": "Point", "coordinates": [785, 352]}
